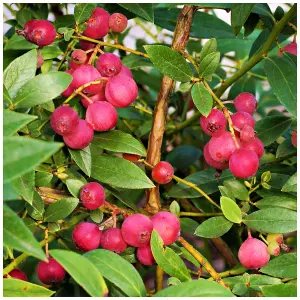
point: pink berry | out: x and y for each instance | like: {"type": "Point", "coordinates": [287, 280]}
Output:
{"type": "Point", "coordinates": [253, 254]}
{"type": "Point", "coordinates": [121, 91]}
{"type": "Point", "coordinates": [247, 134]}
{"type": "Point", "coordinates": [69, 90]}
{"type": "Point", "coordinates": [92, 195]}
{"type": "Point", "coordinates": [245, 102]}
{"type": "Point", "coordinates": [81, 137]}
{"type": "Point", "coordinates": [39, 32]}
{"type": "Point", "coordinates": [145, 256]}
{"type": "Point", "coordinates": [50, 272]}
{"type": "Point", "coordinates": [131, 157]}
{"type": "Point", "coordinates": [118, 22]}
{"type": "Point", "coordinates": [242, 119]}
{"type": "Point", "coordinates": [214, 124]}
{"type": "Point", "coordinates": [255, 145]}
{"type": "Point", "coordinates": [78, 58]}
{"type": "Point", "coordinates": [97, 24]}
{"type": "Point", "coordinates": [40, 60]}
{"type": "Point", "coordinates": [290, 48]}
{"type": "Point", "coordinates": [221, 148]}
{"type": "Point", "coordinates": [243, 163]}
{"type": "Point", "coordinates": [18, 274]}
{"type": "Point", "coordinates": [163, 172]}
{"type": "Point", "coordinates": [86, 236]}
{"type": "Point", "coordinates": [136, 230]}
{"type": "Point", "coordinates": [109, 64]}
{"type": "Point", "coordinates": [98, 97]}
{"type": "Point", "coordinates": [294, 138]}
{"type": "Point", "coordinates": [215, 164]}
{"type": "Point", "coordinates": [102, 116]}
{"type": "Point", "coordinates": [112, 240]}
{"type": "Point", "coordinates": [64, 120]}
{"type": "Point", "coordinates": [86, 45]}
{"type": "Point", "coordinates": [126, 72]}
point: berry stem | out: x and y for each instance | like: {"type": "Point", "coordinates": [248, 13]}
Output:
{"type": "Point", "coordinates": [195, 214]}
{"type": "Point", "coordinates": [235, 271]}
{"type": "Point", "coordinates": [67, 52]}
{"type": "Point", "coordinates": [262, 237]}
{"type": "Point", "coordinates": [142, 109]}
{"type": "Point", "coordinates": [85, 97]}
{"type": "Point", "coordinates": [159, 278]}
{"type": "Point", "coordinates": [96, 49]}
{"type": "Point", "coordinates": [46, 242]}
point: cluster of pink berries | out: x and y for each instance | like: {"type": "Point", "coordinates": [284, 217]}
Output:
{"type": "Point", "coordinates": [240, 154]}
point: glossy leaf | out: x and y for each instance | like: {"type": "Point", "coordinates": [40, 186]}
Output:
{"type": "Point", "coordinates": [239, 15]}
{"type": "Point", "coordinates": [83, 159]}
{"type": "Point", "coordinates": [188, 225]}
{"type": "Point", "coordinates": [50, 52]}
{"type": "Point", "coordinates": [132, 61]}
{"type": "Point", "coordinates": [209, 47]}
{"type": "Point", "coordinates": [24, 185]}
{"type": "Point", "coordinates": [291, 184]}
{"type": "Point", "coordinates": [37, 208]}
{"type": "Point", "coordinates": [83, 11]}
{"type": "Point", "coordinates": [237, 188]}
{"type": "Point", "coordinates": [144, 10]}
{"type": "Point", "coordinates": [285, 148]}
{"type": "Point", "coordinates": [74, 186]}
{"type": "Point", "coordinates": [231, 210]}
{"type": "Point", "coordinates": [280, 290]}
{"type": "Point", "coordinates": [202, 98]}
{"type": "Point", "coordinates": [208, 65]}
{"type": "Point", "coordinates": [277, 201]}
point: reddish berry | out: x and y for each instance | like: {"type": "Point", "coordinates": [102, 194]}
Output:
{"type": "Point", "coordinates": [109, 64]}
{"type": "Point", "coordinates": [245, 102]}
{"type": "Point", "coordinates": [40, 60]}
{"type": "Point", "coordinates": [50, 272]}
{"type": "Point", "coordinates": [221, 148]}
{"type": "Point", "coordinates": [78, 58]}
{"type": "Point", "coordinates": [167, 225]}
{"type": "Point", "coordinates": [255, 145]}
{"type": "Point", "coordinates": [214, 124]}
{"type": "Point", "coordinates": [145, 256]}
{"type": "Point", "coordinates": [243, 163]}
{"type": "Point", "coordinates": [215, 164]}
{"type": "Point", "coordinates": [86, 45]}
{"type": "Point", "coordinates": [136, 230]}
{"type": "Point", "coordinates": [253, 254]}
{"type": "Point", "coordinates": [39, 32]}
{"type": "Point", "coordinates": [97, 24]}
{"type": "Point", "coordinates": [98, 97]}
{"type": "Point", "coordinates": [126, 72]}
{"type": "Point", "coordinates": [290, 48]}
{"type": "Point", "coordinates": [112, 240]}
{"type": "Point", "coordinates": [118, 22]}
{"type": "Point", "coordinates": [131, 157]}
{"type": "Point", "coordinates": [18, 274]}
{"type": "Point", "coordinates": [294, 138]}
{"type": "Point", "coordinates": [242, 119]}
{"type": "Point", "coordinates": [81, 137]}
{"type": "Point", "coordinates": [121, 91]}
{"type": "Point", "coordinates": [64, 120]}
{"type": "Point", "coordinates": [86, 236]}
{"type": "Point", "coordinates": [274, 248]}
{"type": "Point", "coordinates": [277, 237]}
{"type": "Point", "coordinates": [247, 134]}
{"type": "Point", "coordinates": [163, 172]}
{"type": "Point", "coordinates": [92, 195]}
{"type": "Point", "coordinates": [69, 90]}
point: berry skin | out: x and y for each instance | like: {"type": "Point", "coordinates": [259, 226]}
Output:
{"type": "Point", "coordinates": [277, 237]}
{"type": "Point", "coordinates": [81, 137]}
{"type": "Point", "coordinates": [112, 240]}
{"type": "Point", "coordinates": [290, 48]}
{"type": "Point", "coordinates": [214, 124]}
{"type": "Point", "coordinates": [86, 236]}
{"type": "Point", "coordinates": [136, 230]}
{"type": "Point", "coordinates": [131, 157]}
{"type": "Point", "coordinates": [245, 102]}
{"type": "Point", "coordinates": [97, 24]}
{"type": "Point", "coordinates": [98, 97]}
{"type": "Point", "coordinates": [109, 64]}
{"type": "Point", "coordinates": [255, 145]}
{"type": "Point", "coordinates": [121, 91]}
{"type": "Point", "coordinates": [247, 134]}
{"type": "Point", "coordinates": [86, 45]}
{"type": "Point", "coordinates": [215, 164]}
{"type": "Point", "coordinates": [145, 256]}
{"type": "Point", "coordinates": [274, 248]}
{"type": "Point", "coordinates": [125, 72]}
{"type": "Point", "coordinates": [163, 172]}
{"type": "Point", "coordinates": [167, 225]}
{"type": "Point", "coordinates": [118, 22]}
{"type": "Point", "coordinates": [39, 32]}
{"type": "Point", "coordinates": [294, 138]}
{"type": "Point", "coordinates": [243, 163]}
{"type": "Point", "coordinates": [40, 60]}
{"type": "Point", "coordinates": [92, 195]}
{"type": "Point", "coordinates": [78, 58]}
{"type": "Point", "coordinates": [69, 90]}
{"type": "Point", "coordinates": [64, 120]}
{"type": "Point", "coordinates": [18, 274]}
{"type": "Point", "coordinates": [242, 119]}
{"type": "Point", "coordinates": [50, 272]}
{"type": "Point", "coordinates": [102, 116]}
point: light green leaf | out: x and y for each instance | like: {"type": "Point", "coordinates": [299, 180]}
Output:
{"type": "Point", "coordinates": [18, 42]}
{"type": "Point", "coordinates": [24, 186]}
{"type": "Point", "coordinates": [209, 64]}
{"type": "Point", "coordinates": [83, 11]}
{"type": "Point", "coordinates": [231, 210]}
{"type": "Point", "coordinates": [239, 15]}
{"type": "Point", "coordinates": [213, 227]}
{"type": "Point", "coordinates": [209, 47]}
{"type": "Point", "coordinates": [96, 216]}
{"type": "Point", "coordinates": [74, 186]}
{"type": "Point", "coordinates": [280, 290]}
{"type": "Point", "coordinates": [280, 201]}
{"type": "Point", "coordinates": [50, 52]}
{"type": "Point", "coordinates": [37, 208]}
{"type": "Point", "coordinates": [144, 10]}
{"type": "Point", "coordinates": [202, 99]}
{"type": "Point", "coordinates": [290, 185]}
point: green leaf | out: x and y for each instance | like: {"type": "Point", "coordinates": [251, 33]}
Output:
{"type": "Point", "coordinates": [271, 128]}
{"type": "Point", "coordinates": [119, 172]}
{"type": "Point", "coordinates": [19, 72]}
{"type": "Point", "coordinates": [202, 99]}
{"type": "Point", "coordinates": [13, 121]}
{"type": "Point", "coordinates": [82, 270]}
{"type": "Point", "coordinates": [18, 42]}
{"type": "Point", "coordinates": [50, 52]}
{"type": "Point", "coordinates": [282, 76]}
{"type": "Point", "coordinates": [213, 227]}
{"type": "Point", "coordinates": [169, 62]}
{"type": "Point", "coordinates": [23, 154]}
{"type": "Point", "coordinates": [280, 290]}
{"type": "Point", "coordinates": [119, 141]}
{"type": "Point", "coordinates": [282, 266]}
{"type": "Point", "coordinates": [272, 220]}
{"type": "Point", "coordinates": [42, 89]}
{"type": "Point", "coordinates": [74, 186]}
{"type": "Point", "coordinates": [173, 281]}
{"type": "Point", "coordinates": [239, 15]}
{"type": "Point", "coordinates": [188, 225]}
{"type": "Point", "coordinates": [195, 288]}
{"type": "Point", "coordinates": [60, 209]}
{"type": "Point", "coordinates": [118, 271]}
{"type": "Point", "coordinates": [24, 186]}
{"type": "Point", "coordinates": [16, 235]}
{"type": "Point", "coordinates": [132, 61]}
{"type": "Point", "coordinates": [37, 208]}
{"type": "Point", "coordinates": [169, 261]}
{"type": "Point", "coordinates": [231, 210]}
{"type": "Point", "coordinates": [96, 216]}
{"type": "Point", "coordinates": [43, 179]}
{"type": "Point", "coordinates": [175, 208]}
{"type": "Point", "coordinates": [83, 11]}
{"type": "Point", "coordinates": [209, 64]}
{"type": "Point", "coordinates": [83, 159]}
{"type": "Point", "coordinates": [237, 188]}
{"type": "Point", "coordinates": [278, 201]}
{"type": "Point", "coordinates": [285, 148]}
{"type": "Point", "coordinates": [19, 288]}
{"type": "Point", "coordinates": [23, 15]}
{"type": "Point", "coordinates": [144, 10]}
{"type": "Point", "coordinates": [290, 185]}
{"type": "Point", "coordinates": [209, 47]}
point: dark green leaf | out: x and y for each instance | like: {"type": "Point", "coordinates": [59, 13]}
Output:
{"type": "Point", "coordinates": [250, 24]}
{"type": "Point", "coordinates": [188, 225]}
{"type": "Point", "coordinates": [43, 179]}
{"type": "Point", "coordinates": [202, 98]}
{"type": "Point", "coordinates": [285, 148]}
{"type": "Point", "coordinates": [231, 210]}
{"type": "Point", "coordinates": [36, 208]}
{"type": "Point", "coordinates": [237, 188]}
{"type": "Point", "coordinates": [280, 290]}
{"type": "Point", "coordinates": [209, 64]}
{"type": "Point", "coordinates": [209, 47]}
{"type": "Point", "coordinates": [24, 186]}
{"type": "Point", "coordinates": [278, 201]}
{"type": "Point", "coordinates": [132, 61]}
{"type": "Point", "coordinates": [83, 11]}
{"type": "Point", "coordinates": [291, 184]}
{"type": "Point", "coordinates": [23, 15]}
{"type": "Point", "coordinates": [142, 10]}
{"type": "Point", "coordinates": [239, 15]}
{"type": "Point", "coordinates": [18, 42]}
{"type": "Point", "coordinates": [83, 159]}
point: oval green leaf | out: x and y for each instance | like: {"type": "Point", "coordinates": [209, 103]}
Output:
{"type": "Point", "coordinates": [239, 15]}
{"type": "Point", "coordinates": [291, 184]}
{"type": "Point", "coordinates": [24, 186]}
{"type": "Point", "coordinates": [237, 188]}
{"type": "Point", "coordinates": [274, 201]}
{"type": "Point", "coordinates": [144, 10]}
{"type": "Point", "coordinates": [209, 47]}
{"type": "Point", "coordinates": [280, 290]}
{"type": "Point", "coordinates": [231, 210]}
{"type": "Point", "coordinates": [202, 99]}
{"type": "Point", "coordinates": [83, 11]}
{"type": "Point", "coordinates": [209, 65]}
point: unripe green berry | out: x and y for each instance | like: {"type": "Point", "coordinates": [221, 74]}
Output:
{"type": "Point", "coordinates": [273, 248]}
{"type": "Point", "coordinates": [275, 237]}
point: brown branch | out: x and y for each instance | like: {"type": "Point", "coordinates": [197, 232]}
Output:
{"type": "Point", "coordinates": [159, 278]}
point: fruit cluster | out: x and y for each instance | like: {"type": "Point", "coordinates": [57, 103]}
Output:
{"type": "Point", "coordinates": [241, 152]}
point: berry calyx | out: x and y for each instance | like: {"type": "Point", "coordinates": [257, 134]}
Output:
{"type": "Point", "coordinates": [18, 274]}
{"type": "Point", "coordinates": [145, 256]}
{"type": "Point", "coordinates": [247, 134]}
{"type": "Point", "coordinates": [274, 248]}
{"type": "Point", "coordinates": [112, 240]}
{"type": "Point", "coordinates": [86, 236]}
{"type": "Point", "coordinates": [255, 145]}
{"type": "Point", "coordinates": [131, 157]}
{"type": "Point", "coordinates": [245, 102]}
{"type": "Point", "coordinates": [163, 172]}
{"type": "Point", "coordinates": [214, 124]}
{"type": "Point", "coordinates": [109, 64]}
{"type": "Point", "coordinates": [294, 138]}
{"type": "Point", "coordinates": [136, 230]}
{"type": "Point", "coordinates": [242, 119]}
{"type": "Point", "coordinates": [50, 272]}
{"type": "Point", "coordinates": [69, 90]}
{"type": "Point", "coordinates": [92, 195]}
{"type": "Point", "coordinates": [118, 22]}
{"type": "Point", "coordinates": [253, 254]}
{"type": "Point", "coordinates": [213, 163]}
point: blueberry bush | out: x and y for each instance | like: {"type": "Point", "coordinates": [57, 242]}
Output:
{"type": "Point", "coordinates": [162, 165]}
